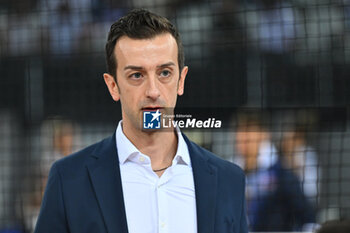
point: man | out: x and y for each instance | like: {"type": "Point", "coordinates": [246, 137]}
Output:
{"type": "Point", "coordinates": [143, 181]}
{"type": "Point", "coordinates": [301, 158]}
{"type": "Point", "coordinates": [275, 201]}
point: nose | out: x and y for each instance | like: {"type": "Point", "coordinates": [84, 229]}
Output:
{"type": "Point", "coordinates": [152, 90]}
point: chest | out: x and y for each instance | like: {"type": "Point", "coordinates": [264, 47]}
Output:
{"type": "Point", "coordinates": [159, 204]}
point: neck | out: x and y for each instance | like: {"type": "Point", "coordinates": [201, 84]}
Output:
{"type": "Point", "coordinates": [160, 145]}
{"type": "Point", "coordinates": [251, 163]}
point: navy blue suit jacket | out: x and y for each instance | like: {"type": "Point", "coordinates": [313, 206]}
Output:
{"type": "Point", "coordinates": [84, 193]}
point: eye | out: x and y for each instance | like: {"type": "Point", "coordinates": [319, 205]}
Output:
{"type": "Point", "coordinates": [165, 73]}
{"type": "Point", "coordinates": [137, 75]}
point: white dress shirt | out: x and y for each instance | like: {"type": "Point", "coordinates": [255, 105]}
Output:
{"type": "Point", "coordinates": [157, 204]}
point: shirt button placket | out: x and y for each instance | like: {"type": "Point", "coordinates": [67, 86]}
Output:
{"type": "Point", "coordinates": [161, 208]}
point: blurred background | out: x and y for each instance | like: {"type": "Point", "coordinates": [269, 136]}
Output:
{"type": "Point", "coordinates": [283, 57]}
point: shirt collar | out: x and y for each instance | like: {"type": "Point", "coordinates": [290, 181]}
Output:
{"type": "Point", "coordinates": [126, 149]}
{"type": "Point", "coordinates": [267, 156]}
{"type": "Point", "coordinates": [182, 155]}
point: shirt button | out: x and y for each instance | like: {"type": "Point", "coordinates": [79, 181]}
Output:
{"type": "Point", "coordinates": [142, 159]}
{"type": "Point", "coordinates": [162, 225]}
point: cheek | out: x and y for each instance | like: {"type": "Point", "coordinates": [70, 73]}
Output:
{"type": "Point", "coordinates": [173, 97]}
{"type": "Point", "coordinates": [175, 88]}
{"type": "Point", "coordinates": [168, 92]}
{"type": "Point", "coordinates": [239, 148]}
{"type": "Point", "coordinates": [126, 102]}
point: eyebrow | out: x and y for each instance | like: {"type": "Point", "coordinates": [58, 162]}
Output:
{"type": "Point", "coordinates": [132, 67]}
{"type": "Point", "coordinates": [166, 65]}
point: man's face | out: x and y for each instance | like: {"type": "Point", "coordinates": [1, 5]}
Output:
{"type": "Point", "coordinates": [148, 76]}
{"type": "Point", "coordinates": [248, 141]}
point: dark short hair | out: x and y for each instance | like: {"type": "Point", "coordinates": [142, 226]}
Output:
{"type": "Point", "coordinates": [140, 24]}
{"type": "Point", "coordinates": [250, 119]}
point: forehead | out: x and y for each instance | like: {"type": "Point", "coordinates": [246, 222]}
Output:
{"type": "Point", "coordinates": [146, 52]}
{"type": "Point", "coordinates": [249, 132]}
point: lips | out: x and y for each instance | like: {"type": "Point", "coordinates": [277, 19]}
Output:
{"type": "Point", "coordinates": [152, 108]}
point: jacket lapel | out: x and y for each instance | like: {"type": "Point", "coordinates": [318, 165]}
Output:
{"type": "Point", "coordinates": [205, 181]}
{"type": "Point", "coordinates": [106, 181]}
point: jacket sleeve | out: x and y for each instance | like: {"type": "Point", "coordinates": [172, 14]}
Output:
{"type": "Point", "coordinates": [52, 217]}
{"type": "Point", "coordinates": [243, 224]}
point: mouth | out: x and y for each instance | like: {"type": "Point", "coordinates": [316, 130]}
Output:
{"type": "Point", "coordinates": [152, 108]}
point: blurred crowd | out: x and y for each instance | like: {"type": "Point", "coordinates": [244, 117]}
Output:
{"type": "Point", "coordinates": [283, 180]}
{"type": "Point", "coordinates": [283, 171]}
{"type": "Point", "coordinates": [241, 36]}
{"type": "Point", "coordinates": [56, 138]}
{"type": "Point", "coordinates": [37, 27]}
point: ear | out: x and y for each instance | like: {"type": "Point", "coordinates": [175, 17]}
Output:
{"type": "Point", "coordinates": [112, 86]}
{"type": "Point", "coordinates": [181, 85]}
